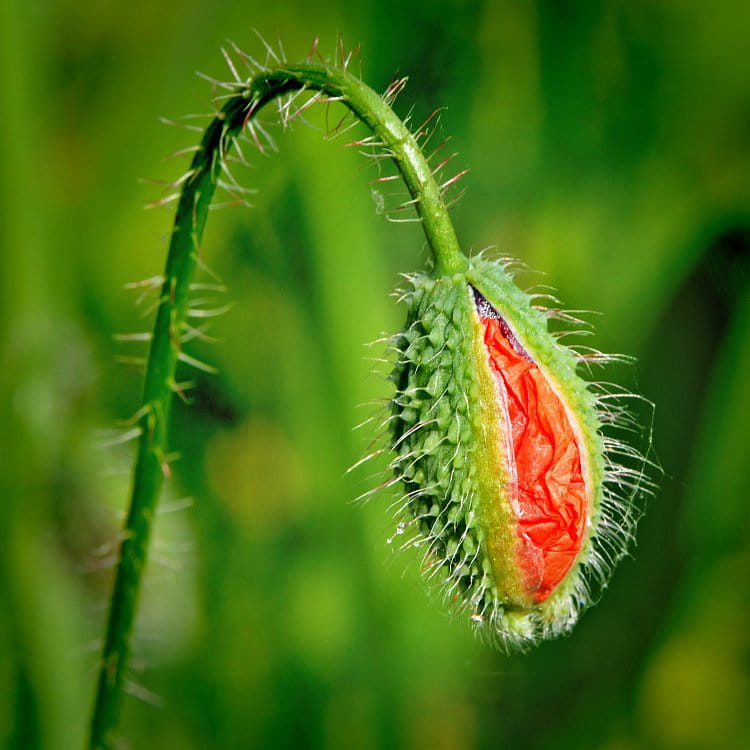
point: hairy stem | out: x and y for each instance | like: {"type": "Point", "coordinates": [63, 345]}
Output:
{"type": "Point", "coordinates": [152, 464]}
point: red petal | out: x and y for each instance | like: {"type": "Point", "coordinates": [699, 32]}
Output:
{"type": "Point", "coordinates": [550, 490]}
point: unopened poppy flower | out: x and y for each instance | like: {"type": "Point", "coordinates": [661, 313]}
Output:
{"type": "Point", "coordinates": [511, 484]}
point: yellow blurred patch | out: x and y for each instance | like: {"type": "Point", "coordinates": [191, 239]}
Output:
{"type": "Point", "coordinates": [696, 692]}
{"type": "Point", "coordinates": [256, 472]}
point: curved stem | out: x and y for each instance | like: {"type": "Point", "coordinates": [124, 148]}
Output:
{"type": "Point", "coordinates": [152, 464]}
{"type": "Point", "coordinates": [370, 108]}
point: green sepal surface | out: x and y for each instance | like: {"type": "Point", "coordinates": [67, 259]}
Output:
{"type": "Point", "coordinates": [434, 435]}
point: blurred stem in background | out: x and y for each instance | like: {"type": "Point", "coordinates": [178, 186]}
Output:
{"type": "Point", "coordinates": [40, 678]}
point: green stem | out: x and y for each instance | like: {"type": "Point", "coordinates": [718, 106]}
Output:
{"type": "Point", "coordinates": [152, 462]}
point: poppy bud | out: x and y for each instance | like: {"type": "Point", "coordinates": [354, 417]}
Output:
{"type": "Point", "coordinates": [500, 447]}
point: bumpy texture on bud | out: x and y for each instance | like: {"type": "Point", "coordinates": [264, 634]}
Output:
{"type": "Point", "coordinates": [499, 444]}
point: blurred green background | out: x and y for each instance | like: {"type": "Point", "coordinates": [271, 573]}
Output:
{"type": "Point", "coordinates": [609, 147]}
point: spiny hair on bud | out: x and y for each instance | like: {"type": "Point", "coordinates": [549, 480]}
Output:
{"type": "Point", "coordinates": [474, 503]}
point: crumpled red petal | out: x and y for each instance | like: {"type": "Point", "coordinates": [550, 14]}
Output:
{"type": "Point", "coordinates": [550, 489]}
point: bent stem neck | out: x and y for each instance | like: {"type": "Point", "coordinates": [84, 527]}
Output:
{"type": "Point", "coordinates": [398, 142]}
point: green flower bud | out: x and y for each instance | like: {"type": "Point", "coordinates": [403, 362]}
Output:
{"type": "Point", "coordinates": [500, 446]}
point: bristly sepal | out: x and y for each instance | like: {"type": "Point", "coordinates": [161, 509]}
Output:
{"type": "Point", "coordinates": [511, 484]}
